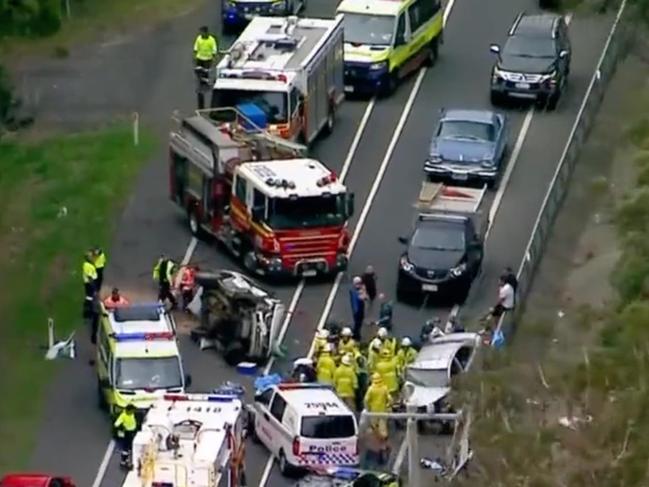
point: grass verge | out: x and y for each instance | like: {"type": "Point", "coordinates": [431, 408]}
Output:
{"type": "Point", "coordinates": [58, 196]}
{"type": "Point", "coordinates": [92, 17]}
{"type": "Point", "coordinates": [590, 366]}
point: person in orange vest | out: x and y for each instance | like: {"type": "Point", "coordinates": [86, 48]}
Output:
{"type": "Point", "coordinates": [115, 300]}
{"type": "Point", "coordinates": [188, 284]}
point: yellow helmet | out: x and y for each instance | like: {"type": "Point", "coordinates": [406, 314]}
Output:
{"type": "Point", "coordinates": [376, 377]}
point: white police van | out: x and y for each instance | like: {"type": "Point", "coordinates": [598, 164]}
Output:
{"type": "Point", "coordinates": [305, 425]}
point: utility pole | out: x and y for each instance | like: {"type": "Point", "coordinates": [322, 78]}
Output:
{"type": "Point", "coordinates": [411, 434]}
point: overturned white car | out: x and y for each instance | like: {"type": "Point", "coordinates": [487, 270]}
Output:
{"type": "Point", "coordinates": [429, 376]}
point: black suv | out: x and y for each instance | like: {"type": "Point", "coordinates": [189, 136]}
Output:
{"type": "Point", "coordinates": [534, 62]}
{"type": "Point", "coordinates": [443, 257]}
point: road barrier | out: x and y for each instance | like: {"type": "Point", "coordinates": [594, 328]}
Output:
{"type": "Point", "coordinates": [614, 50]}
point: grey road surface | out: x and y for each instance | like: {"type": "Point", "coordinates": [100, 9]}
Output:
{"type": "Point", "coordinates": [142, 73]}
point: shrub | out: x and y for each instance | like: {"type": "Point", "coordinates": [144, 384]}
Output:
{"type": "Point", "coordinates": [5, 95]}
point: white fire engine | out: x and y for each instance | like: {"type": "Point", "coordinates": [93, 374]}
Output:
{"type": "Point", "coordinates": [190, 440]}
{"type": "Point", "coordinates": [285, 74]}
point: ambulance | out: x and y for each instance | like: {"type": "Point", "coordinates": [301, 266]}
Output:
{"type": "Point", "coordinates": [138, 359]}
{"type": "Point", "coordinates": [190, 440]}
{"type": "Point", "coordinates": [386, 40]}
{"type": "Point", "coordinates": [305, 426]}
{"type": "Point", "coordinates": [286, 75]}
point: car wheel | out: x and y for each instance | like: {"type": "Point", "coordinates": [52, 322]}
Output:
{"type": "Point", "coordinates": [433, 52]}
{"type": "Point", "coordinates": [553, 101]}
{"type": "Point", "coordinates": [251, 428]}
{"type": "Point", "coordinates": [391, 83]}
{"type": "Point", "coordinates": [194, 225]}
{"type": "Point", "coordinates": [284, 467]}
{"type": "Point", "coordinates": [331, 121]}
{"type": "Point", "coordinates": [495, 98]}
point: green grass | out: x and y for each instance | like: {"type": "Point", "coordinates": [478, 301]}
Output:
{"type": "Point", "coordinates": [41, 251]}
{"type": "Point", "coordinates": [92, 17]}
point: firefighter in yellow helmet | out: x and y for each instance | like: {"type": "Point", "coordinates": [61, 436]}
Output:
{"type": "Point", "coordinates": [387, 342]}
{"type": "Point", "coordinates": [347, 345]}
{"type": "Point", "coordinates": [377, 400]}
{"type": "Point", "coordinates": [326, 366]}
{"type": "Point", "coordinates": [386, 366]}
{"type": "Point", "coordinates": [320, 342]}
{"type": "Point", "coordinates": [346, 381]}
{"type": "Point", "coordinates": [406, 354]}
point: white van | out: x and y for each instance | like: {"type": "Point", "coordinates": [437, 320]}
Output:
{"type": "Point", "coordinates": [305, 425]}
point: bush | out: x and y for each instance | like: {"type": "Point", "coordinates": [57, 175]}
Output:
{"type": "Point", "coordinates": [30, 17]}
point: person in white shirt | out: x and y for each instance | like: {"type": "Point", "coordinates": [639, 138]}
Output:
{"type": "Point", "coordinates": [505, 298]}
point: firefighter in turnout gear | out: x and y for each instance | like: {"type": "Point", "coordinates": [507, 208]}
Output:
{"type": "Point", "coordinates": [346, 381]}
{"type": "Point", "coordinates": [125, 428]}
{"type": "Point", "coordinates": [347, 345]}
{"type": "Point", "coordinates": [406, 354]}
{"type": "Point", "coordinates": [163, 273]}
{"type": "Point", "coordinates": [326, 366]}
{"type": "Point", "coordinates": [377, 400]}
{"type": "Point", "coordinates": [373, 354]}
{"type": "Point", "coordinates": [387, 368]}
{"type": "Point", "coordinates": [321, 341]}
{"type": "Point", "coordinates": [387, 342]}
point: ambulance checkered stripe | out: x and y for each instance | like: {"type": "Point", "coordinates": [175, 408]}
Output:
{"type": "Point", "coordinates": [328, 459]}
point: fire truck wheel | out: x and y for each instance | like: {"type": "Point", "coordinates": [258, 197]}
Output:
{"type": "Point", "coordinates": [194, 226]}
{"type": "Point", "coordinates": [331, 121]}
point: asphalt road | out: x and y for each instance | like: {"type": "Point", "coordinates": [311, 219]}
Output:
{"type": "Point", "coordinates": [74, 434]}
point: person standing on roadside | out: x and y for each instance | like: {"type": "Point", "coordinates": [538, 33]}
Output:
{"type": "Point", "coordinates": [163, 273]}
{"type": "Point", "coordinates": [505, 299]}
{"type": "Point", "coordinates": [357, 298]}
{"type": "Point", "coordinates": [89, 273]}
{"type": "Point", "coordinates": [99, 261]}
{"type": "Point", "coordinates": [369, 281]}
{"type": "Point", "coordinates": [510, 278]}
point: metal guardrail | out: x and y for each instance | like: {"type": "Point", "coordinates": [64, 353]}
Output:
{"type": "Point", "coordinates": [614, 50]}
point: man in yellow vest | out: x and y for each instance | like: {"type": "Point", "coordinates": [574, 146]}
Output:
{"type": "Point", "coordinates": [89, 273]}
{"type": "Point", "coordinates": [205, 50]}
{"type": "Point", "coordinates": [163, 274]}
{"type": "Point", "coordinates": [99, 260]}
{"type": "Point", "coordinates": [125, 428]}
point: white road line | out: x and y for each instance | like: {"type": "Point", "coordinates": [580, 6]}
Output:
{"type": "Point", "coordinates": [357, 138]}
{"type": "Point", "coordinates": [518, 146]}
{"type": "Point", "coordinates": [103, 466]}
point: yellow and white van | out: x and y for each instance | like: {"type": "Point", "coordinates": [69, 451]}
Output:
{"type": "Point", "coordinates": [138, 359]}
{"type": "Point", "coordinates": [385, 40]}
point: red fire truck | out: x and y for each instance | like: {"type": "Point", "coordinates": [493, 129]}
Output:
{"type": "Point", "coordinates": [281, 213]}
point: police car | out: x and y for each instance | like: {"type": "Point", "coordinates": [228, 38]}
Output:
{"type": "Point", "coordinates": [138, 360]}
{"type": "Point", "coordinates": [305, 426]}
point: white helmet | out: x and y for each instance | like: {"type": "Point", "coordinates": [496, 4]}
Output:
{"type": "Point", "coordinates": [329, 347]}
{"type": "Point", "coordinates": [406, 342]}
{"type": "Point", "coordinates": [376, 343]}
{"type": "Point", "coordinates": [324, 334]}
{"type": "Point", "coordinates": [347, 332]}
{"type": "Point", "coordinates": [305, 361]}
{"type": "Point", "coordinates": [383, 332]}
{"type": "Point", "coordinates": [347, 359]}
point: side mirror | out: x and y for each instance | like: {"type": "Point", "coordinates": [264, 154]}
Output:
{"type": "Point", "coordinates": [403, 240]}
{"type": "Point", "coordinates": [349, 205]}
{"type": "Point", "coordinates": [495, 48]}
{"type": "Point", "coordinates": [188, 380]}
{"type": "Point", "coordinates": [563, 54]}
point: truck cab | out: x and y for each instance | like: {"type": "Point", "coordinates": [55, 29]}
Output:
{"type": "Point", "coordinates": [280, 213]}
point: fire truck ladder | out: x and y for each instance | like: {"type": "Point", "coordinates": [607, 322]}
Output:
{"type": "Point", "coordinates": [245, 131]}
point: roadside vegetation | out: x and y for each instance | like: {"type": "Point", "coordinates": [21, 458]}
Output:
{"type": "Point", "coordinates": [59, 195]}
{"type": "Point", "coordinates": [567, 403]}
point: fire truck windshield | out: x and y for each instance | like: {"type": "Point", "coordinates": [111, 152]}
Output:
{"type": "Point", "coordinates": [273, 103]}
{"type": "Point", "coordinates": [308, 212]}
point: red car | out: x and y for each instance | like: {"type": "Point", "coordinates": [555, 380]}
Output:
{"type": "Point", "coordinates": [35, 480]}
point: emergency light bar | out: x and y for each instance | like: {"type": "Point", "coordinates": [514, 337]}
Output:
{"type": "Point", "coordinates": [199, 397]}
{"type": "Point", "coordinates": [326, 180]}
{"type": "Point", "coordinates": [300, 385]}
{"type": "Point", "coordinates": [125, 337]}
